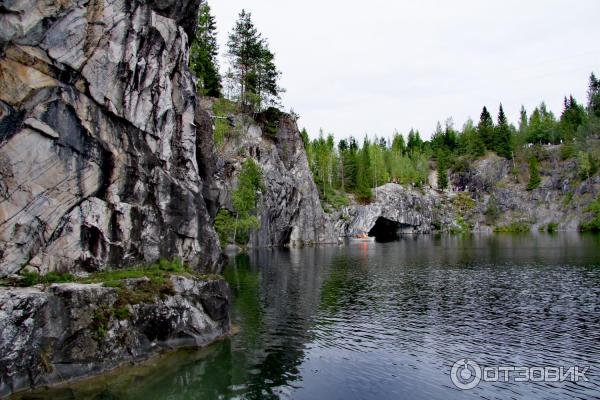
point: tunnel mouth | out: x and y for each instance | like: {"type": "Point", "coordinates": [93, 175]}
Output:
{"type": "Point", "coordinates": [386, 230]}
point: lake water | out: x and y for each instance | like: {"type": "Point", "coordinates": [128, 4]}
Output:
{"type": "Point", "coordinates": [388, 321]}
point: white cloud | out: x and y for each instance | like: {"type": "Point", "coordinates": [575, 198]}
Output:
{"type": "Point", "coordinates": [354, 67]}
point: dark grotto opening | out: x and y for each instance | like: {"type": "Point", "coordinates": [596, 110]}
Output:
{"type": "Point", "coordinates": [386, 230]}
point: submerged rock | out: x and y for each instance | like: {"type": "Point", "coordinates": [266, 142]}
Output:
{"type": "Point", "coordinates": [67, 331]}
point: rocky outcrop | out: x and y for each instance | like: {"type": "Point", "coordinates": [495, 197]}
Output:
{"type": "Point", "coordinates": [289, 210]}
{"type": "Point", "coordinates": [100, 150]}
{"type": "Point", "coordinates": [500, 188]}
{"type": "Point", "coordinates": [405, 210]}
{"type": "Point", "coordinates": [67, 331]}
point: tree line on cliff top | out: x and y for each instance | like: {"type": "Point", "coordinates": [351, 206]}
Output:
{"type": "Point", "coordinates": [353, 168]}
{"type": "Point", "coordinates": [251, 81]}
{"type": "Point", "coordinates": [252, 77]}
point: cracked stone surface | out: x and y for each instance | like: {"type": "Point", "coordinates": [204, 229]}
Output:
{"type": "Point", "coordinates": [67, 331]}
{"type": "Point", "coordinates": [99, 143]}
{"type": "Point", "coordinates": [289, 210]}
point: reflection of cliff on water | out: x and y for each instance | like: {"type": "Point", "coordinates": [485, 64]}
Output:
{"type": "Point", "coordinates": [328, 322]}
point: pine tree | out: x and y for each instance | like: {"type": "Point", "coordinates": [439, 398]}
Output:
{"type": "Point", "coordinates": [485, 129]}
{"type": "Point", "coordinates": [502, 136]}
{"type": "Point", "coordinates": [203, 54]}
{"type": "Point", "coordinates": [253, 64]}
{"type": "Point", "coordinates": [244, 48]}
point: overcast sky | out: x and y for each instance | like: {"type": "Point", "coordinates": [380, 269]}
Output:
{"type": "Point", "coordinates": [375, 66]}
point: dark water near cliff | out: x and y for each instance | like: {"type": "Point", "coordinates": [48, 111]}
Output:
{"type": "Point", "coordinates": [388, 321]}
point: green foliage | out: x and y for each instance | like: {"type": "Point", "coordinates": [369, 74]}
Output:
{"type": "Point", "coordinates": [587, 165]}
{"type": "Point", "coordinates": [100, 321]}
{"type": "Point", "coordinates": [234, 227]}
{"type": "Point", "coordinates": [414, 144]}
{"type": "Point", "coordinates": [514, 227]}
{"type": "Point", "coordinates": [223, 109]}
{"type": "Point", "coordinates": [503, 142]}
{"type": "Point", "coordinates": [543, 127]}
{"type": "Point", "coordinates": [485, 129]}
{"type": "Point", "coordinates": [534, 174]}
{"type": "Point", "coordinates": [593, 223]}
{"type": "Point", "coordinates": [492, 211]}
{"type": "Point", "coordinates": [442, 179]}
{"type": "Point", "coordinates": [337, 199]}
{"type": "Point", "coordinates": [305, 138]}
{"type": "Point", "coordinates": [355, 169]}
{"type": "Point", "coordinates": [568, 199]}
{"type": "Point", "coordinates": [462, 227]}
{"type": "Point", "coordinates": [463, 203]}
{"type": "Point", "coordinates": [269, 120]}
{"type": "Point", "coordinates": [157, 272]}
{"type": "Point", "coordinates": [594, 97]}
{"type": "Point", "coordinates": [32, 278]}
{"type": "Point", "coordinates": [222, 129]}
{"type": "Point", "coordinates": [250, 182]}
{"type": "Point", "coordinates": [203, 54]}
{"type": "Point", "coordinates": [567, 151]}
{"type": "Point", "coordinates": [121, 313]}
{"type": "Point", "coordinates": [224, 226]}
{"type": "Point", "coordinates": [572, 117]}
{"type": "Point", "coordinates": [253, 70]}
{"type": "Point", "coordinates": [552, 227]}
{"type": "Point", "coordinates": [470, 142]}
{"type": "Point", "coordinates": [245, 283]}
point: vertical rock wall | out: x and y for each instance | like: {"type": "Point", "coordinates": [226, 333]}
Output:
{"type": "Point", "coordinates": [98, 138]}
{"type": "Point", "coordinates": [289, 210]}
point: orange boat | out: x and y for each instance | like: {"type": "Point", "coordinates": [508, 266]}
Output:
{"type": "Point", "coordinates": [362, 237]}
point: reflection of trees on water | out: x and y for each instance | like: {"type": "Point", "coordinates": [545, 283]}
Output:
{"type": "Point", "coordinates": [425, 297]}
{"type": "Point", "coordinates": [274, 307]}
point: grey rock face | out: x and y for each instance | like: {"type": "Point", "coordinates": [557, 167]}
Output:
{"type": "Point", "coordinates": [68, 331]}
{"type": "Point", "coordinates": [414, 211]}
{"type": "Point", "coordinates": [99, 159]}
{"type": "Point", "coordinates": [562, 197]}
{"type": "Point", "coordinates": [289, 211]}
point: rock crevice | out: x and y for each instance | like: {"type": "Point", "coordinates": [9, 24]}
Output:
{"type": "Point", "coordinates": [99, 159]}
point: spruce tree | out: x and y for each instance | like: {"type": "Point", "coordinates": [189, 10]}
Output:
{"type": "Point", "coordinates": [502, 136]}
{"type": "Point", "coordinates": [594, 97]}
{"type": "Point", "coordinates": [398, 144]}
{"type": "Point", "coordinates": [572, 117]}
{"type": "Point", "coordinates": [203, 54]}
{"type": "Point", "coordinates": [485, 129]}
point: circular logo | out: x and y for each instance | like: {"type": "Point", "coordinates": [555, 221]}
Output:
{"type": "Point", "coordinates": [465, 374]}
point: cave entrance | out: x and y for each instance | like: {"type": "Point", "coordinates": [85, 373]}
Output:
{"type": "Point", "coordinates": [386, 230]}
